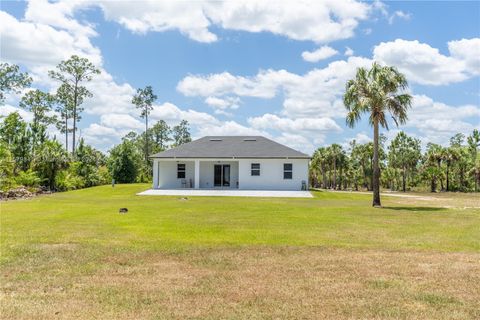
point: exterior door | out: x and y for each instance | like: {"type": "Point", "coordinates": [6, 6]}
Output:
{"type": "Point", "coordinates": [226, 175]}
{"type": "Point", "coordinates": [221, 175]}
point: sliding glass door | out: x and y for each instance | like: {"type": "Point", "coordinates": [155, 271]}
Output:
{"type": "Point", "coordinates": [221, 175]}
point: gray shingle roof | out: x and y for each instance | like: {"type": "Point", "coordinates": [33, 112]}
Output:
{"type": "Point", "coordinates": [231, 147]}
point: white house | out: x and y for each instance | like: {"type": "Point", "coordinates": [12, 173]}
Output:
{"type": "Point", "coordinates": [231, 162]}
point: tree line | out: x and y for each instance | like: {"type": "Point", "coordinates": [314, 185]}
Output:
{"type": "Point", "coordinates": [403, 165]}
{"type": "Point", "coordinates": [30, 157]}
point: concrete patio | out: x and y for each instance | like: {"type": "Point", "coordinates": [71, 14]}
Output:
{"type": "Point", "coordinates": [227, 193]}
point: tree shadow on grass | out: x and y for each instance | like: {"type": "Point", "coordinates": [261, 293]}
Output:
{"type": "Point", "coordinates": [415, 208]}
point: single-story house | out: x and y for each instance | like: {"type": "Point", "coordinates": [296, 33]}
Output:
{"type": "Point", "coordinates": [231, 162]}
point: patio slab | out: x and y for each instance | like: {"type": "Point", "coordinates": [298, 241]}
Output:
{"type": "Point", "coordinates": [227, 193]}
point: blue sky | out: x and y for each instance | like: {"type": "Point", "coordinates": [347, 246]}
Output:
{"type": "Point", "coordinates": [241, 67]}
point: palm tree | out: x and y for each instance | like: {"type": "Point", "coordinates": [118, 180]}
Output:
{"type": "Point", "coordinates": [375, 92]}
{"type": "Point", "coordinates": [335, 151]}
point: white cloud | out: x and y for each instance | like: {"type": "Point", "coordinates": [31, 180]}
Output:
{"type": "Point", "coordinates": [317, 93]}
{"type": "Point", "coordinates": [6, 109]}
{"type": "Point", "coordinates": [438, 121]}
{"type": "Point", "coordinates": [426, 65]}
{"type": "Point", "coordinates": [299, 142]}
{"type": "Point", "coordinates": [229, 128]}
{"type": "Point", "coordinates": [322, 53]}
{"type": "Point", "coordinates": [399, 14]}
{"type": "Point", "coordinates": [318, 21]}
{"type": "Point", "coordinates": [221, 105]}
{"type": "Point", "coordinates": [35, 44]}
{"type": "Point", "coordinates": [467, 50]}
{"type": "Point", "coordinates": [119, 120]}
{"type": "Point", "coordinates": [173, 114]}
{"type": "Point", "coordinates": [271, 121]}
{"type": "Point", "coordinates": [348, 52]}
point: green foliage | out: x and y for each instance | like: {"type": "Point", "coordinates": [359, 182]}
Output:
{"type": "Point", "coordinates": [12, 80]}
{"type": "Point", "coordinates": [68, 179]}
{"type": "Point", "coordinates": [50, 160]}
{"type": "Point", "coordinates": [6, 167]}
{"type": "Point", "coordinates": [181, 133]}
{"type": "Point", "coordinates": [123, 162]}
{"type": "Point", "coordinates": [143, 100]}
{"type": "Point", "coordinates": [71, 74]}
{"type": "Point", "coordinates": [377, 92]}
{"type": "Point", "coordinates": [28, 178]}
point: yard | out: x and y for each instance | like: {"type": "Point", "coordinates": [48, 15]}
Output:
{"type": "Point", "coordinates": [72, 255]}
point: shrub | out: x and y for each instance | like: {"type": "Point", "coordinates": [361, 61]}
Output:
{"type": "Point", "coordinates": [28, 178]}
{"type": "Point", "coordinates": [68, 180]}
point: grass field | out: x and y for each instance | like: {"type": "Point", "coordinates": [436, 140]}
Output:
{"type": "Point", "coordinates": [72, 256]}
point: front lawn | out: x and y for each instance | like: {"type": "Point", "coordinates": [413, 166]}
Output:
{"type": "Point", "coordinates": [72, 255]}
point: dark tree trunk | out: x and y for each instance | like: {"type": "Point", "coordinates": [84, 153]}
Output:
{"type": "Point", "coordinates": [448, 182]}
{"type": "Point", "coordinates": [146, 139]}
{"type": "Point", "coordinates": [324, 174]}
{"type": "Point", "coordinates": [376, 169]}
{"type": "Point", "coordinates": [433, 185]}
{"type": "Point", "coordinates": [441, 180]}
{"type": "Point", "coordinates": [404, 179]}
{"type": "Point", "coordinates": [66, 132]}
{"type": "Point", "coordinates": [75, 97]}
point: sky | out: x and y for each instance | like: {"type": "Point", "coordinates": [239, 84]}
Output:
{"type": "Point", "coordinates": [271, 68]}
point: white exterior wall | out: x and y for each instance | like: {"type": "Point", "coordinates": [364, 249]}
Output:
{"type": "Point", "coordinates": [271, 174]}
{"type": "Point", "coordinates": [206, 173]}
{"type": "Point", "coordinates": [167, 174]}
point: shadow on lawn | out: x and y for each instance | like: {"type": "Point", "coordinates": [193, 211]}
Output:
{"type": "Point", "coordinates": [414, 208]}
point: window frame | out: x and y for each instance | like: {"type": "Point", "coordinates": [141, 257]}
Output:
{"type": "Point", "coordinates": [287, 173]}
{"type": "Point", "coordinates": [255, 172]}
{"type": "Point", "coordinates": [181, 171]}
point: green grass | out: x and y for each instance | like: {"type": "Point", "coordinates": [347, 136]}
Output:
{"type": "Point", "coordinates": [72, 254]}
{"type": "Point", "coordinates": [90, 216]}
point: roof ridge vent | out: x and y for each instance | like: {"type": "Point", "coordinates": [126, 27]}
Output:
{"type": "Point", "coordinates": [250, 139]}
{"type": "Point", "coordinates": [215, 139]}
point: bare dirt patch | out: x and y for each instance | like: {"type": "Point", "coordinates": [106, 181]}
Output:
{"type": "Point", "coordinates": [254, 283]}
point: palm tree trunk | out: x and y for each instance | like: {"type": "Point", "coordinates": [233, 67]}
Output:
{"type": "Point", "coordinates": [404, 179]}
{"type": "Point", "coordinates": [376, 168]}
{"type": "Point", "coordinates": [334, 174]}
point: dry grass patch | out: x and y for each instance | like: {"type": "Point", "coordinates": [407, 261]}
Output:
{"type": "Point", "coordinates": [253, 283]}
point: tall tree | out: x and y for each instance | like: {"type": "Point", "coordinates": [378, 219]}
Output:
{"type": "Point", "coordinates": [39, 104]}
{"type": "Point", "coordinates": [12, 80]}
{"type": "Point", "coordinates": [404, 153]}
{"type": "Point", "coordinates": [72, 73]}
{"type": "Point", "coordinates": [433, 164]}
{"type": "Point", "coordinates": [335, 152]}
{"type": "Point", "coordinates": [143, 100]}
{"type": "Point", "coordinates": [64, 107]}
{"type": "Point", "coordinates": [376, 92]}
{"type": "Point", "coordinates": [161, 135]}
{"type": "Point", "coordinates": [181, 133]}
{"type": "Point", "coordinates": [473, 144]}
{"type": "Point", "coordinates": [52, 158]}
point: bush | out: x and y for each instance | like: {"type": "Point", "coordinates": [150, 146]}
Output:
{"type": "Point", "coordinates": [28, 178]}
{"type": "Point", "coordinates": [68, 180]}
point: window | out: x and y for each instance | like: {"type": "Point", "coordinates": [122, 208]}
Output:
{"type": "Point", "coordinates": [255, 169]}
{"type": "Point", "coordinates": [180, 170]}
{"type": "Point", "coordinates": [287, 171]}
